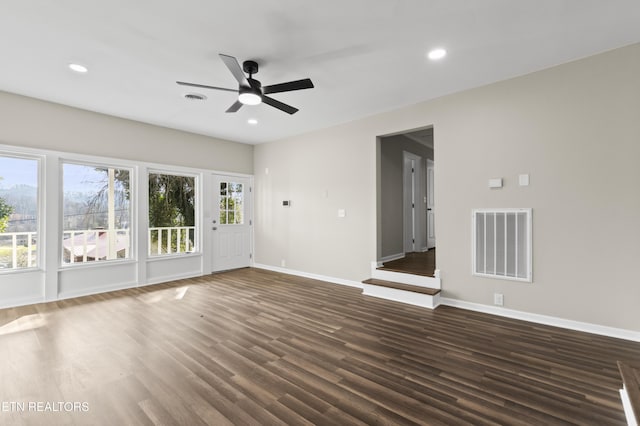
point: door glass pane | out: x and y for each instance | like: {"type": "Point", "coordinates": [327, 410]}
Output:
{"type": "Point", "coordinates": [238, 201]}
{"type": "Point", "coordinates": [231, 203]}
{"type": "Point", "coordinates": [223, 203]}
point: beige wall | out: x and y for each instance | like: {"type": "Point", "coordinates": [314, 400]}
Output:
{"type": "Point", "coordinates": [573, 128]}
{"type": "Point", "coordinates": [320, 174]}
{"type": "Point", "coordinates": [37, 124]}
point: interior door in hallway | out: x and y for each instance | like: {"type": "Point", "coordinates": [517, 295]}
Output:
{"type": "Point", "coordinates": [431, 206]}
{"type": "Point", "coordinates": [412, 209]}
{"type": "Point", "coordinates": [231, 223]}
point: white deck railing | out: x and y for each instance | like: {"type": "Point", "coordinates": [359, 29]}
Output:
{"type": "Point", "coordinates": [18, 249]}
{"type": "Point", "coordinates": [171, 239]}
{"type": "Point", "coordinates": [88, 245]}
{"type": "Point", "coordinates": [11, 244]}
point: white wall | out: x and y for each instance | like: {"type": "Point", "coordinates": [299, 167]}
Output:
{"type": "Point", "coordinates": [56, 133]}
{"type": "Point", "coordinates": [573, 128]}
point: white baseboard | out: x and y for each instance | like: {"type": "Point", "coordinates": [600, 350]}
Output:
{"type": "Point", "coordinates": [602, 330]}
{"type": "Point", "coordinates": [14, 303]}
{"type": "Point", "coordinates": [390, 258]}
{"type": "Point", "coordinates": [92, 291]}
{"type": "Point", "coordinates": [169, 278]}
{"type": "Point", "coordinates": [309, 275]}
{"type": "Point", "coordinates": [127, 285]}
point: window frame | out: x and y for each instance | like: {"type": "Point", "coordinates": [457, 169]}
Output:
{"type": "Point", "coordinates": [40, 181]}
{"type": "Point", "coordinates": [133, 203]}
{"type": "Point", "coordinates": [197, 232]}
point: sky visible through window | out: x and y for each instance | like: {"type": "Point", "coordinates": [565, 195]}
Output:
{"type": "Point", "coordinates": [19, 191]}
{"type": "Point", "coordinates": [17, 171]}
{"type": "Point", "coordinates": [77, 179]}
{"type": "Point", "coordinates": [83, 178]}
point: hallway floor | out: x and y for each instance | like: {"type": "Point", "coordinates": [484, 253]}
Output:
{"type": "Point", "coordinates": [417, 263]}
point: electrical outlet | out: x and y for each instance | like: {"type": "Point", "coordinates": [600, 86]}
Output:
{"type": "Point", "coordinates": [498, 299]}
{"type": "Point", "coordinates": [283, 264]}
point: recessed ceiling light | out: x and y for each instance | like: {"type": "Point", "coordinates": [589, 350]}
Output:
{"type": "Point", "coordinates": [252, 121]}
{"type": "Point", "coordinates": [436, 54]}
{"type": "Point", "coordinates": [78, 68]}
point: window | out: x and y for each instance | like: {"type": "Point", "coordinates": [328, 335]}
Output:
{"type": "Point", "coordinates": [96, 213]}
{"type": "Point", "coordinates": [231, 203]}
{"type": "Point", "coordinates": [502, 244]}
{"type": "Point", "coordinates": [18, 213]}
{"type": "Point", "coordinates": [172, 224]}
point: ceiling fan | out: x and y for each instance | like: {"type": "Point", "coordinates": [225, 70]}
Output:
{"type": "Point", "coordinates": [250, 91]}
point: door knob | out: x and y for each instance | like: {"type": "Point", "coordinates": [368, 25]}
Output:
{"type": "Point", "coordinates": [215, 228]}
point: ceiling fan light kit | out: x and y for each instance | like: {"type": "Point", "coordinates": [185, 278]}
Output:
{"type": "Point", "coordinates": [249, 97]}
{"type": "Point", "coordinates": [250, 90]}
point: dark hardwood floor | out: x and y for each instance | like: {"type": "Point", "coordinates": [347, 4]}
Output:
{"type": "Point", "coordinates": [257, 347]}
{"type": "Point", "coordinates": [417, 263]}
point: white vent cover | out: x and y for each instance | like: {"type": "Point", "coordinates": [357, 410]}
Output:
{"type": "Point", "coordinates": [502, 243]}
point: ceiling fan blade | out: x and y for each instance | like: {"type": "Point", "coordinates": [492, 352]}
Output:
{"type": "Point", "coordinates": [236, 70]}
{"type": "Point", "coordinates": [235, 107]}
{"type": "Point", "coordinates": [184, 83]}
{"type": "Point", "coordinates": [288, 87]}
{"type": "Point", "coordinates": [281, 106]}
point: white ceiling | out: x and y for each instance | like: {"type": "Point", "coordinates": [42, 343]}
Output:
{"type": "Point", "coordinates": [363, 56]}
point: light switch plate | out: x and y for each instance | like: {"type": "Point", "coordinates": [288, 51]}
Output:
{"type": "Point", "coordinates": [342, 213]}
{"type": "Point", "coordinates": [523, 180]}
{"type": "Point", "coordinates": [495, 183]}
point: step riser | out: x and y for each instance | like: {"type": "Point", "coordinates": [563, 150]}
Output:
{"type": "Point", "coordinates": [409, 297]}
{"type": "Point", "coordinates": [403, 278]}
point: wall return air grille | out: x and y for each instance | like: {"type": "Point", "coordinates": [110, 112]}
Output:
{"type": "Point", "coordinates": [502, 243]}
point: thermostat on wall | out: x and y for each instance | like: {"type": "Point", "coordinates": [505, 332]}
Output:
{"type": "Point", "coordinates": [286, 203]}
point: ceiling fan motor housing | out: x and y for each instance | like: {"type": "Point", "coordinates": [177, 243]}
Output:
{"type": "Point", "coordinates": [250, 67]}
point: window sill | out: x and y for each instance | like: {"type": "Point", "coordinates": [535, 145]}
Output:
{"type": "Point", "coordinates": [160, 257]}
{"type": "Point", "coordinates": [20, 271]}
{"type": "Point", "coordinates": [96, 264]}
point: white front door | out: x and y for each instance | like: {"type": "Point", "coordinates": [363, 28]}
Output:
{"type": "Point", "coordinates": [231, 223]}
{"type": "Point", "coordinates": [431, 206]}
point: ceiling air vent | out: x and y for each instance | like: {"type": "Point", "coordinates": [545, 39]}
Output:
{"type": "Point", "coordinates": [195, 97]}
